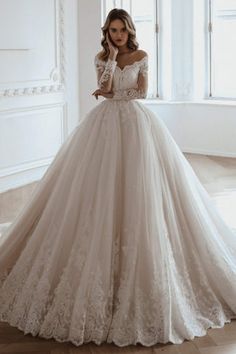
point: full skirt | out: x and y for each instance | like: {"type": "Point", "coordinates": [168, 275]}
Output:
{"type": "Point", "coordinates": [120, 242]}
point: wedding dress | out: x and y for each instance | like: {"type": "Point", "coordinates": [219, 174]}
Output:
{"type": "Point", "coordinates": [119, 242]}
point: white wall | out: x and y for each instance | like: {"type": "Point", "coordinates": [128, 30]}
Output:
{"type": "Point", "coordinates": [89, 45]}
{"type": "Point", "coordinates": [71, 30]}
{"type": "Point", "coordinates": [38, 85]}
{"type": "Point", "coordinates": [208, 129]}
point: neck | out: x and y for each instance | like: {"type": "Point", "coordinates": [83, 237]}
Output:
{"type": "Point", "coordinates": [123, 49]}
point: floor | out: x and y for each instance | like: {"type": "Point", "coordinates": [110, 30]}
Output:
{"type": "Point", "coordinates": [218, 175]}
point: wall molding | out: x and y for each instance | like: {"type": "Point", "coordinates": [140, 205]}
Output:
{"type": "Point", "coordinates": [31, 174]}
{"type": "Point", "coordinates": [31, 108]}
{"type": "Point", "coordinates": [21, 167]}
{"type": "Point", "coordinates": [57, 74]}
{"type": "Point", "coordinates": [63, 105]}
{"type": "Point", "coordinates": [26, 166]}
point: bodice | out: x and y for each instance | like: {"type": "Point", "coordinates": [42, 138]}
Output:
{"type": "Point", "coordinates": [127, 77]}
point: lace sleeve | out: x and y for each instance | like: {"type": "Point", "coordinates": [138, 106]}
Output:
{"type": "Point", "coordinates": [105, 71]}
{"type": "Point", "coordinates": [142, 82]}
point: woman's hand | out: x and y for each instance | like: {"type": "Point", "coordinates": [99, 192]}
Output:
{"type": "Point", "coordinates": [113, 49]}
{"type": "Point", "coordinates": [99, 92]}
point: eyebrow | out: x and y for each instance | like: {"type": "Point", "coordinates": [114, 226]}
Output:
{"type": "Point", "coordinates": [116, 28]}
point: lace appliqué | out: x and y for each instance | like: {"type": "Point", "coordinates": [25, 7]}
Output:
{"type": "Point", "coordinates": [105, 70]}
{"type": "Point", "coordinates": [124, 309]}
{"type": "Point", "coordinates": [144, 66]}
{"type": "Point", "coordinates": [129, 94]}
{"type": "Point", "coordinates": [134, 93]}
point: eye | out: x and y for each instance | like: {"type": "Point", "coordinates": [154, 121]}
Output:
{"type": "Point", "coordinates": [113, 30]}
{"type": "Point", "coordinates": [123, 29]}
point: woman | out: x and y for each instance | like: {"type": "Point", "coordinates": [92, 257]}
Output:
{"type": "Point", "coordinates": [120, 241]}
{"type": "Point", "coordinates": [121, 51]}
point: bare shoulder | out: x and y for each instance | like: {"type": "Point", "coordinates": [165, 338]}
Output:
{"type": "Point", "coordinates": [140, 54]}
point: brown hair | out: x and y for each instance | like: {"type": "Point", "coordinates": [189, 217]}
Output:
{"type": "Point", "coordinates": [122, 15]}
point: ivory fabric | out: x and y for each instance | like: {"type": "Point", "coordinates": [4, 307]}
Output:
{"type": "Point", "coordinates": [120, 242]}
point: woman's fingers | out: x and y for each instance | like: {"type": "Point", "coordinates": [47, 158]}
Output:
{"type": "Point", "coordinates": [101, 93]}
{"type": "Point", "coordinates": [96, 93]}
{"type": "Point", "coordinates": [108, 41]}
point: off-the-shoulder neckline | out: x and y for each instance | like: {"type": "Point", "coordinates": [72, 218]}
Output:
{"type": "Point", "coordinates": [136, 62]}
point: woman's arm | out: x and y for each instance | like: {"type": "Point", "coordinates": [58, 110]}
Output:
{"type": "Point", "coordinates": [105, 72]}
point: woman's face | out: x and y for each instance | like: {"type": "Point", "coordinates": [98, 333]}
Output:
{"type": "Point", "coordinates": [118, 33]}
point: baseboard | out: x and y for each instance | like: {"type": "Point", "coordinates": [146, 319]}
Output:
{"type": "Point", "coordinates": [208, 152]}
{"type": "Point", "coordinates": [20, 177]}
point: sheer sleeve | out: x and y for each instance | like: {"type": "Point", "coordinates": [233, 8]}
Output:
{"type": "Point", "coordinates": [105, 71]}
{"type": "Point", "coordinates": [142, 83]}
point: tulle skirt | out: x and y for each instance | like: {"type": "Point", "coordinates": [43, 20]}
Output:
{"type": "Point", "coordinates": [119, 242]}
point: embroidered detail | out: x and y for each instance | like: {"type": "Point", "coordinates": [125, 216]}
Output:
{"type": "Point", "coordinates": [138, 63]}
{"type": "Point", "coordinates": [144, 66]}
{"type": "Point", "coordinates": [129, 94]}
{"type": "Point", "coordinates": [105, 70]}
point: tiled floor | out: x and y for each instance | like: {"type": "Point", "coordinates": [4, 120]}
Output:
{"type": "Point", "coordinates": [218, 175]}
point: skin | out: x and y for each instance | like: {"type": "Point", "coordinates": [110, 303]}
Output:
{"type": "Point", "coordinates": [119, 50]}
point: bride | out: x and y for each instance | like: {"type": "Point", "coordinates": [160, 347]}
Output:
{"type": "Point", "coordinates": [119, 242]}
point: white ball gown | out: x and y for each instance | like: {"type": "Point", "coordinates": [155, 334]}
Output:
{"type": "Point", "coordinates": [119, 242]}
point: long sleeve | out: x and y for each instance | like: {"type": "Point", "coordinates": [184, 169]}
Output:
{"type": "Point", "coordinates": [105, 71]}
{"type": "Point", "coordinates": [142, 84]}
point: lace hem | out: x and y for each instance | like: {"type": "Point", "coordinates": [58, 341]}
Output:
{"type": "Point", "coordinates": [121, 342]}
{"type": "Point", "coordinates": [105, 312]}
